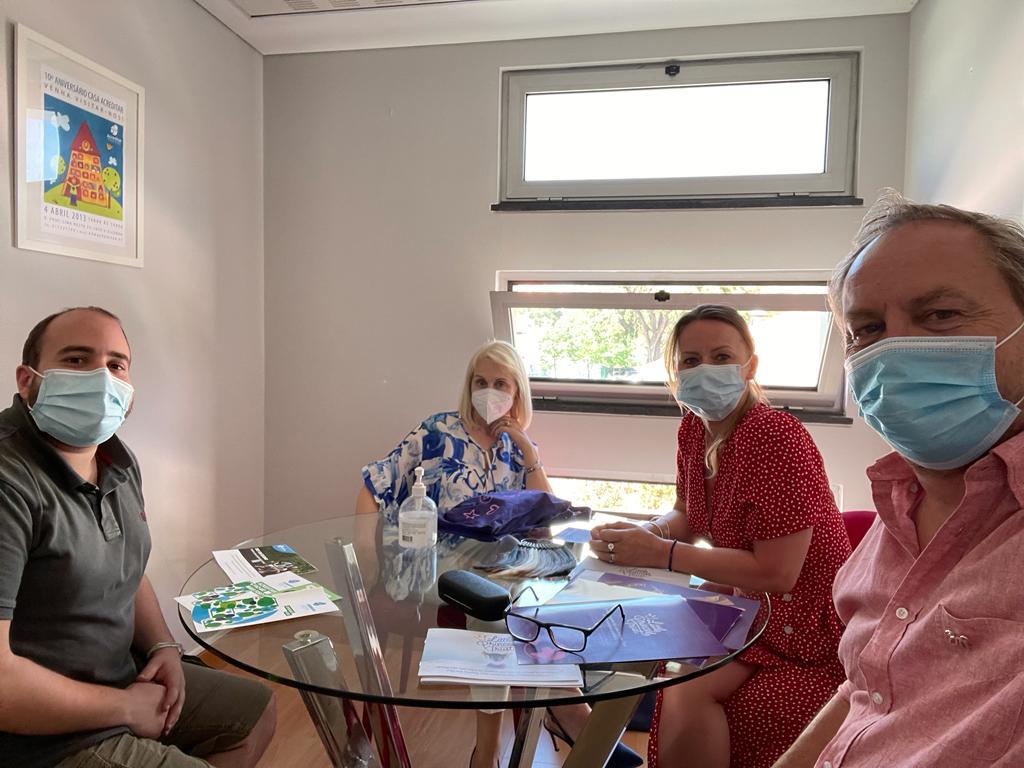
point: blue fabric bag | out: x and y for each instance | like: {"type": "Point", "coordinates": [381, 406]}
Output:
{"type": "Point", "coordinates": [506, 513]}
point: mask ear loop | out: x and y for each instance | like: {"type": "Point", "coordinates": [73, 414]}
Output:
{"type": "Point", "coordinates": [41, 377]}
{"type": "Point", "coordinates": [999, 344]}
{"type": "Point", "coordinates": [1014, 333]}
{"type": "Point", "coordinates": [750, 382]}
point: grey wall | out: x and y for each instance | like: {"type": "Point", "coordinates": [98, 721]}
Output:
{"type": "Point", "coordinates": [966, 105]}
{"type": "Point", "coordinates": [194, 313]}
{"type": "Point", "coordinates": [380, 247]}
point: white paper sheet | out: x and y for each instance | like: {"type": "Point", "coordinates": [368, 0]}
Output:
{"type": "Point", "coordinates": [487, 658]}
{"type": "Point", "coordinates": [587, 589]}
{"type": "Point", "coordinates": [653, 574]}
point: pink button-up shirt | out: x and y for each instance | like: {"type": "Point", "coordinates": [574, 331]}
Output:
{"type": "Point", "coordinates": [934, 642]}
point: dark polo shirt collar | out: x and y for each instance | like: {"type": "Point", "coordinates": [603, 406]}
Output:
{"type": "Point", "coordinates": [113, 458]}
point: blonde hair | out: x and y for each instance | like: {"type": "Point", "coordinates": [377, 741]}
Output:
{"type": "Point", "coordinates": [755, 394]}
{"type": "Point", "coordinates": [1005, 239]}
{"type": "Point", "coordinates": [504, 354]}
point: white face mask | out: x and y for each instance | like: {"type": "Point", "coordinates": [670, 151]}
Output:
{"type": "Point", "coordinates": [492, 404]}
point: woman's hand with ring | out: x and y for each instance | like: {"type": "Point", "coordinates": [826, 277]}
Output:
{"type": "Point", "coordinates": [629, 544]}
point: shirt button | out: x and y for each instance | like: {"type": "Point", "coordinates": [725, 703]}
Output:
{"type": "Point", "coordinates": [787, 597]}
{"type": "Point", "coordinates": [827, 764]}
{"type": "Point", "coordinates": [876, 697]}
{"type": "Point", "coordinates": [787, 629]}
{"type": "Point", "coordinates": [914, 488]}
{"type": "Point", "coordinates": [902, 613]}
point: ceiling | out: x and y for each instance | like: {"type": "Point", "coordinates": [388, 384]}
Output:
{"type": "Point", "coordinates": [256, 8]}
{"type": "Point", "coordinates": [303, 26]}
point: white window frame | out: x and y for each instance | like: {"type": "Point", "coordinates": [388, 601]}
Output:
{"type": "Point", "coordinates": [841, 69]}
{"type": "Point", "coordinates": [828, 398]}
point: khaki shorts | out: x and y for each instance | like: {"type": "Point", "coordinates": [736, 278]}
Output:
{"type": "Point", "coordinates": [220, 710]}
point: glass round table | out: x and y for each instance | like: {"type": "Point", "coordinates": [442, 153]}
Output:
{"type": "Point", "coordinates": [368, 650]}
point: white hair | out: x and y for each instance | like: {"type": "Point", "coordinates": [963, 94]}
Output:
{"type": "Point", "coordinates": [505, 355]}
{"type": "Point", "coordinates": [1005, 239]}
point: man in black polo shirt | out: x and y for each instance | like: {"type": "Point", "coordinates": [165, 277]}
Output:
{"type": "Point", "coordinates": [75, 604]}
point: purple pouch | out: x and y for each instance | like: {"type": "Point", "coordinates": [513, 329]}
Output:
{"type": "Point", "coordinates": [506, 513]}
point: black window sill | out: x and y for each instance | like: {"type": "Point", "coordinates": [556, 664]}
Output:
{"type": "Point", "coordinates": [697, 203]}
{"type": "Point", "coordinates": [667, 410]}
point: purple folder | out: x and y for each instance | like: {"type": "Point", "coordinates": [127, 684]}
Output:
{"type": "Point", "coordinates": [715, 608]}
{"type": "Point", "coordinates": [718, 618]}
{"type": "Point", "coordinates": [654, 629]}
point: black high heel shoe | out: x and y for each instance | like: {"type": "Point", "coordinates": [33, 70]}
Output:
{"type": "Point", "coordinates": [621, 757]}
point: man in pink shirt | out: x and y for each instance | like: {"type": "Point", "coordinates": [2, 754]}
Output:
{"type": "Point", "coordinates": [932, 301]}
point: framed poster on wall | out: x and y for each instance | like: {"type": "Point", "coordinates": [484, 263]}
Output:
{"type": "Point", "coordinates": [78, 157]}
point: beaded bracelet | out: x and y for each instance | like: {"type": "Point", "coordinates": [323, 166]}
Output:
{"type": "Point", "coordinates": [533, 467]}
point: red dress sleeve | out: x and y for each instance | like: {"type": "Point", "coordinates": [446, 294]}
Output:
{"type": "Point", "coordinates": [786, 476]}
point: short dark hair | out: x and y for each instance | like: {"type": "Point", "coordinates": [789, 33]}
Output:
{"type": "Point", "coordinates": [33, 348]}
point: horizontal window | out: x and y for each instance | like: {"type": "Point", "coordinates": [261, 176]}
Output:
{"type": "Point", "coordinates": [780, 125]}
{"type": "Point", "coordinates": [616, 495]}
{"type": "Point", "coordinates": [589, 343]}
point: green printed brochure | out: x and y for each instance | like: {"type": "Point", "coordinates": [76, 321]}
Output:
{"type": "Point", "coordinates": [246, 603]}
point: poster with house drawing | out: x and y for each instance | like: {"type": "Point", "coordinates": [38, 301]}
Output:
{"type": "Point", "coordinates": [85, 160]}
{"type": "Point", "coordinates": [78, 154]}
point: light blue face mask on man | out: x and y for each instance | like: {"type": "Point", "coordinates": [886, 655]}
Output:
{"type": "Point", "coordinates": [711, 391]}
{"type": "Point", "coordinates": [81, 408]}
{"type": "Point", "coordinates": [934, 399]}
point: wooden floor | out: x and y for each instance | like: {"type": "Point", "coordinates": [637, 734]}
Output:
{"type": "Point", "coordinates": [437, 738]}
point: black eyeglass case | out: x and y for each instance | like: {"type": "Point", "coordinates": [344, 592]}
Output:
{"type": "Point", "coordinates": [473, 594]}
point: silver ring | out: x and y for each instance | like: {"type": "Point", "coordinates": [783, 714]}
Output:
{"type": "Point", "coordinates": [611, 546]}
{"type": "Point", "coordinates": [611, 558]}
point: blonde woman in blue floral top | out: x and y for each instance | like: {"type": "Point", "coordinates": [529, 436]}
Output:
{"type": "Point", "coordinates": [481, 448]}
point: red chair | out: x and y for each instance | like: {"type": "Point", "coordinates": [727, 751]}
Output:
{"type": "Point", "coordinates": [857, 523]}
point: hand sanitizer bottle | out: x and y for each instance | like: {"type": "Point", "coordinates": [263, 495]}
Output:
{"type": "Point", "coordinates": [417, 517]}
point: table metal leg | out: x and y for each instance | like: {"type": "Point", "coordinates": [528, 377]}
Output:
{"type": "Point", "coordinates": [602, 732]}
{"type": "Point", "coordinates": [608, 718]}
{"type": "Point", "coordinates": [366, 650]}
{"type": "Point", "coordinates": [344, 736]}
{"type": "Point", "coordinates": [348, 736]}
{"type": "Point", "coordinates": [527, 733]}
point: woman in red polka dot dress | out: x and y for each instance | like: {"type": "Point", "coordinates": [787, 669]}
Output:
{"type": "Point", "coordinates": [751, 482]}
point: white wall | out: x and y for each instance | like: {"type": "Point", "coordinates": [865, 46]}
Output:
{"type": "Point", "coordinates": [194, 313]}
{"type": "Point", "coordinates": [380, 247]}
{"type": "Point", "coordinates": [965, 123]}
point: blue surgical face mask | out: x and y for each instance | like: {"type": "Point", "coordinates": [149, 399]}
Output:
{"type": "Point", "coordinates": [934, 399]}
{"type": "Point", "coordinates": [81, 408]}
{"type": "Point", "coordinates": [711, 391]}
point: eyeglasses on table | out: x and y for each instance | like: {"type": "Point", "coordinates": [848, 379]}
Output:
{"type": "Point", "coordinates": [563, 636]}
